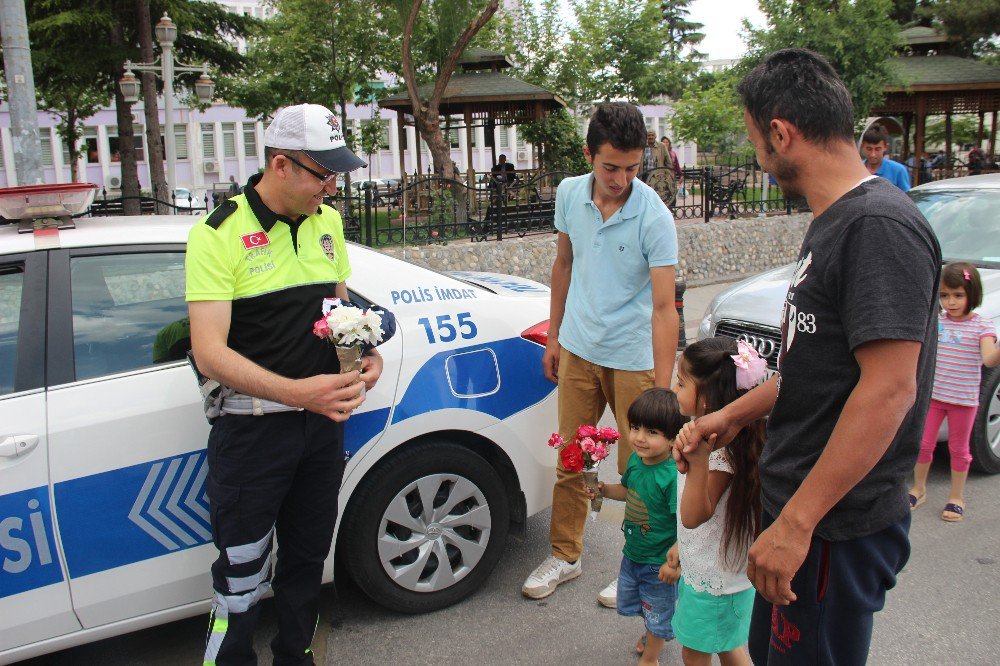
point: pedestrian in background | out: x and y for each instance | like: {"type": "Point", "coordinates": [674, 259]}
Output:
{"type": "Point", "coordinates": [856, 366]}
{"type": "Point", "coordinates": [966, 342]}
{"type": "Point", "coordinates": [875, 146]}
{"type": "Point", "coordinates": [612, 321]}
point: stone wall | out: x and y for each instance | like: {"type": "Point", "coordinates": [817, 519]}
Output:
{"type": "Point", "coordinates": [715, 252]}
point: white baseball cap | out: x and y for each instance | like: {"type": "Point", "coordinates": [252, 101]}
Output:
{"type": "Point", "coordinates": [314, 130]}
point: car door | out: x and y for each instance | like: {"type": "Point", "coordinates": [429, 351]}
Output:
{"type": "Point", "coordinates": [127, 434]}
{"type": "Point", "coordinates": [34, 591]}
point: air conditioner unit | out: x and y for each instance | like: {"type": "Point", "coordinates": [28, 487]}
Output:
{"type": "Point", "coordinates": [211, 166]}
{"type": "Point", "coordinates": [522, 156]}
{"type": "Point", "coordinates": [138, 117]}
{"type": "Point", "coordinates": [113, 182]}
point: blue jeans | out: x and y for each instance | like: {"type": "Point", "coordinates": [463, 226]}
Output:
{"type": "Point", "coordinates": [641, 592]}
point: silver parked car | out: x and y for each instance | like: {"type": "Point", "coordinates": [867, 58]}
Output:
{"type": "Point", "coordinates": [965, 215]}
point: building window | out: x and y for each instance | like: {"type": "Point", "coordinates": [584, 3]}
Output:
{"type": "Point", "coordinates": [89, 145]}
{"type": "Point", "coordinates": [46, 147]}
{"type": "Point", "coordinates": [504, 137]}
{"type": "Point", "coordinates": [249, 140]}
{"type": "Point", "coordinates": [65, 150]}
{"type": "Point", "coordinates": [180, 142]}
{"type": "Point", "coordinates": [208, 140]}
{"type": "Point", "coordinates": [453, 138]}
{"type": "Point", "coordinates": [229, 140]}
{"type": "Point", "coordinates": [114, 147]}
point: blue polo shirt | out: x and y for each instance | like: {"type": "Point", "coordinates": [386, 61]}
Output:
{"type": "Point", "coordinates": [610, 301]}
{"type": "Point", "coordinates": [895, 173]}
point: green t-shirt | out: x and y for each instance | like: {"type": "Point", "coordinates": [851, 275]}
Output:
{"type": "Point", "coordinates": [650, 524]}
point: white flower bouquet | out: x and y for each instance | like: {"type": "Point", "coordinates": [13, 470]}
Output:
{"type": "Point", "coordinates": [350, 329]}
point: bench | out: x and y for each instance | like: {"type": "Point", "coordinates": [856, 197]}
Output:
{"type": "Point", "coordinates": [722, 188]}
{"type": "Point", "coordinates": [109, 207]}
{"type": "Point", "coordinates": [521, 218]}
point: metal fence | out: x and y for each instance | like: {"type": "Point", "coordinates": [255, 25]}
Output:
{"type": "Point", "coordinates": [105, 205]}
{"type": "Point", "coordinates": [432, 209]}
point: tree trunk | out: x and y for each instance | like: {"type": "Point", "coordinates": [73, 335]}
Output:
{"type": "Point", "coordinates": [70, 134]}
{"type": "Point", "coordinates": [130, 172]}
{"type": "Point", "coordinates": [154, 144]}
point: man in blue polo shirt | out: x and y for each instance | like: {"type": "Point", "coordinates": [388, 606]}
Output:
{"type": "Point", "coordinates": [612, 322]}
{"type": "Point", "coordinates": [874, 144]}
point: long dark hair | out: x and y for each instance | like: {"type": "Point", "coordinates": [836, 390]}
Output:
{"type": "Point", "coordinates": [710, 365]}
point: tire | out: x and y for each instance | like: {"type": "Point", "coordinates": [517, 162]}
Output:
{"type": "Point", "coordinates": [394, 550]}
{"type": "Point", "coordinates": [985, 440]}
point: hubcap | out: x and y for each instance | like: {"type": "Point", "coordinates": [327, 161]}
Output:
{"type": "Point", "coordinates": [993, 423]}
{"type": "Point", "coordinates": [434, 532]}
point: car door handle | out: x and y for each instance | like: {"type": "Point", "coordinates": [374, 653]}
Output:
{"type": "Point", "coordinates": [13, 446]}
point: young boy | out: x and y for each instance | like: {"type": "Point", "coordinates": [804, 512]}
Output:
{"type": "Point", "coordinates": [647, 580]}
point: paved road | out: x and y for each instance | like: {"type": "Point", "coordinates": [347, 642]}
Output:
{"type": "Point", "coordinates": [943, 610]}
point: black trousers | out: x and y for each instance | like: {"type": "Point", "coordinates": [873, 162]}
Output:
{"type": "Point", "coordinates": [272, 474]}
{"type": "Point", "coordinates": [839, 588]}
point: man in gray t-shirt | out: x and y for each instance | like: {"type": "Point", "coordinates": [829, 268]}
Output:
{"type": "Point", "coordinates": [856, 368]}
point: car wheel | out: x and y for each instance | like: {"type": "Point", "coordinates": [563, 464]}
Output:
{"type": "Point", "coordinates": [985, 441]}
{"type": "Point", "coordinates": [426, 528]}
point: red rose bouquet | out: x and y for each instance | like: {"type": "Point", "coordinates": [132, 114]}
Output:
{"type": "Point", "coordinates": [591, 446]}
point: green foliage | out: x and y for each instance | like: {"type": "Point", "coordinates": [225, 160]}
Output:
{"type": "Point", "coordinates": [317, 51]}
{"type": "Point", "coordinates": [613, 49]}
{"type": "Point", "coordinates": [964, 129]}
{"type": "Point", "coordinates": [711, 118]}
{"type": "Point", "coordinates": [561, 142]}
{"type": "Point", "coordinates": [373, 135]}
{"type": "Point", "coordinates": [857, 37]}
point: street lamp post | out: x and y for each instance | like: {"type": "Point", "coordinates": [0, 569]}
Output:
{"type": "Point", "coordinates": [204, 87]}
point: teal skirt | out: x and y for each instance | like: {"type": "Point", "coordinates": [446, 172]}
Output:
{"type": "Point", "coordinates": [709, 623]}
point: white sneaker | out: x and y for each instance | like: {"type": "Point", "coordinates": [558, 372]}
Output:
{"type": "Point", "coordinates": [609, 595]}
{"type": "Point", "coordinates": [543, 581]}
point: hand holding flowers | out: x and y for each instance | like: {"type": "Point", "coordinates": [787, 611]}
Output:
{"type": "Point", "coordinates": [590, 446]}
{"type": "Point", "coordinates": [349, 329]}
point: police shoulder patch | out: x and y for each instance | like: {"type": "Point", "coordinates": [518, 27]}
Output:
{"type": "Point", "coordinates": [221, 213]}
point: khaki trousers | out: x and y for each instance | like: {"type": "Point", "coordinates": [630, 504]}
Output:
{"type": "Point", "coordinates": [585, 390]}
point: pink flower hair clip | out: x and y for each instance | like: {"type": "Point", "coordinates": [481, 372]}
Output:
{"type": "Point", "coordinates": [750, 367]}
{"type": "Point", "coordinates": [965, 272]}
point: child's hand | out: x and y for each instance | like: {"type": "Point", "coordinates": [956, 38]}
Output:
{"type": "Point", "coordinates": [690, 444]}
{"type": "Point", "coordinates": [590, 491]}
{"type": "Point", "coordinates": [669, 574]}
{"type": "Point", "coordinates": [674, 557]}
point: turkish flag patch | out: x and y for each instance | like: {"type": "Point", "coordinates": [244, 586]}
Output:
{"type": "Point", "coordinates": [256, 239]}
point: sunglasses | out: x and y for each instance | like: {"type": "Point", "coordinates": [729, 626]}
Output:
{"type": "Point", "coordinates": [324, 178]}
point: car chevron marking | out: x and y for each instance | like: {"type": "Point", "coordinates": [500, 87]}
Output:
{"type": "Point", "coordinates": [173, 506]}
{"type": "Point", "coordinates": [158, 521]}
{"type": "Point", "coordinates": [135, 515]}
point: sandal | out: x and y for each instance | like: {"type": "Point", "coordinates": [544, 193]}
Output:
{"type": "Point", "coordinates": [952, 513]}
{"type": "Point", "coordinates": [917, 501]}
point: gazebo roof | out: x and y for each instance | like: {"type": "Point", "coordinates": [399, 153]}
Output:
{"type": "Point", "coordinates": [943, 72]}
{"type": "Point", "coordinates": [919, 35]}
{"type": "Point", "coordinates": [485, 94]}
{"type": "Point", "coordinates": [479, 58]}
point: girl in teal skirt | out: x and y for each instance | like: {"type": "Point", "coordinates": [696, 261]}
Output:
{"type": "Point", "coordinates": [719, 506]}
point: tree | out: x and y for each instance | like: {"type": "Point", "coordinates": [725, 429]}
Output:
{"type": "Point", "coordinates": [84, 47]}
{"type": "Point", "coordinates": [427, 112]}
{"type": "Point", "coordinates": [710, 118]}
{"type": "Point", "coordinates": [858, 38]}
{"type": "Point", "coordinates": [318, 51]}
{"type": "Point", "coordinates": [560, 140]}
{"type": "Point", "coordinates": [964, 130]}
{"type": "Point", "coordinates": [680, 46]}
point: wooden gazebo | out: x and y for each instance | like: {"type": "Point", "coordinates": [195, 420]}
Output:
{"type": "Point", "coordinates": [481, 96]}
{"type": "Point", "coordinates": [935, 84]}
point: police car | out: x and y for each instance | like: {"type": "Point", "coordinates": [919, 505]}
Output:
{"type": "Point", "coordinates": [965, 216]}
{"type": "Point", "coordinates": [104, 523]}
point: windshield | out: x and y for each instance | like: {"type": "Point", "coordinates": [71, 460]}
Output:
{"type": "Point", "coordinates": [966, 222]}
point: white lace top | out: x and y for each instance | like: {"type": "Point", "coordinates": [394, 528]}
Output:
{"type": "Point", "coordinates": [702, 564]}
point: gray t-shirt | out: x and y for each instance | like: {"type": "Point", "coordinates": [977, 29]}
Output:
{"type": "Point", "coordinates": [868, 270]}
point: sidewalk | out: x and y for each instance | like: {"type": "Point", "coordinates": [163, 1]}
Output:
{"type": "Point", "coordinates": [696, 301]}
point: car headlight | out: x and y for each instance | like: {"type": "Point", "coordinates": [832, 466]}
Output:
{"type": "Point", "coordinates": [707, 325]}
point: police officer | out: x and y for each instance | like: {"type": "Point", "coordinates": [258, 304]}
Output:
{"type": "Point", "coordinates": [258, 269]}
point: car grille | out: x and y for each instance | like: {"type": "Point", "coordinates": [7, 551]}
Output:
{"type": "Point", "coordinates": [765, 339]}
